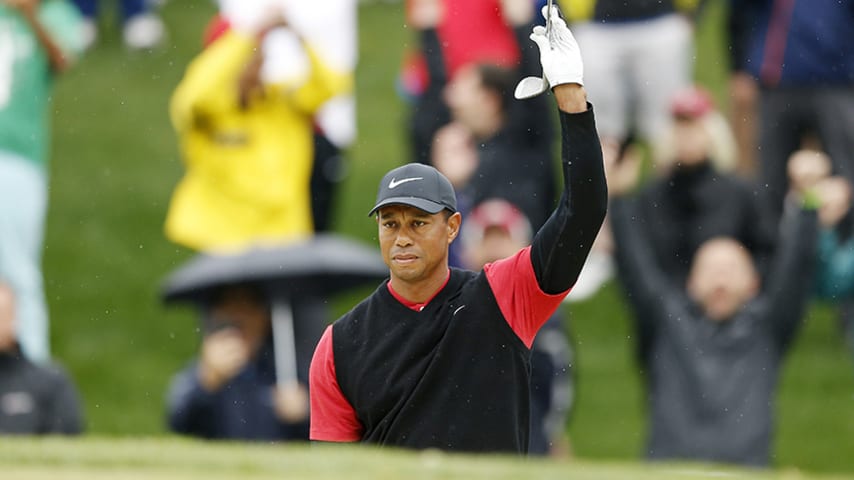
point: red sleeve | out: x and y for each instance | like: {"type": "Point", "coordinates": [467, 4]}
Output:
{"type": "Point", "coordinates": [524, 305]}
{"type": "Point", "coordinates": [332, 417]}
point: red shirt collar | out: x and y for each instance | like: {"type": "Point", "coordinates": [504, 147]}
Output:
{"type": "Point", "coordinates": [417, 306]}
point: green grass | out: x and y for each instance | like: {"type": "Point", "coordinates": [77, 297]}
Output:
{"type": "Point", "coordinates": [114, 166]}
{"type": "Point", "coordinates": [98, 458]}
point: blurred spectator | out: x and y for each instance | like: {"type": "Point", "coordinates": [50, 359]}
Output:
{"type": "Point", "coordinates": [636, 54]}
{"type": "Point", "coordinates": [743, 88]}
{"type": "Point", "coordinates": [142, 27]}
{"type": "Point", "coordinates": [243, 112]}
{"type": "Point", "coordinates": [513, 162]}
{"type": "Point", "coordinates": [836, 244]}
{"type": "Point", "coordinates": [809, 171]}
{"type": "Point", "coordinates": [455, 155]}
{"type": "Point", "coordinates": [802, 55]}
{"type": "Point", "coordinates": [454, 34]}
{"type": "Point", "coordinates": [695, 200]}
{"type": "Point", "coordinates": [333, 29]}
{"type": "Point", "coordinates": [34, 399]}
{"type": "Point", "coordinates": [496, 229]}
{"type": "Point", "coordinates": [330, 27]}
{"type": "Point", "coordinates": [718, 142]}
{"type": "Point", "coordinates": [716, 342]}
{"type": "Point", "coordinates": [231, 391]}
{"type": "Point", "coordinates": [38, 40]}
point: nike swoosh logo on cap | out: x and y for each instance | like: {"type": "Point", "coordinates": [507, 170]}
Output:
{"type": "Point", "coordinates": [394, 183]}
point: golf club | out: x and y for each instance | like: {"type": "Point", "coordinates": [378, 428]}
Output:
{"type": "Point", "coordinates": [530, 87]}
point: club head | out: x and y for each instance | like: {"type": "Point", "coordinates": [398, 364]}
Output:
{"type": "Point", "coordinates": [530, 87]}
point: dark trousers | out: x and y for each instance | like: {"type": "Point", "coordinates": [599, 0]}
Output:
{"type": "Point", "coordinates": [327, 172]}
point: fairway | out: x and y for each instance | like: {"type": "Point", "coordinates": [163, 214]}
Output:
{"type": "Point", "coordinates": [170, 458]}
{"type": "Point", "coordinates": [115, 162]}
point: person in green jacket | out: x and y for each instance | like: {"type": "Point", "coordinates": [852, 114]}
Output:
{"type": "Point", "coordinates": [38, 40]}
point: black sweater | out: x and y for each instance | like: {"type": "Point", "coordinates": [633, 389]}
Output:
{"type": "Point", "coordinates": [455, 375]}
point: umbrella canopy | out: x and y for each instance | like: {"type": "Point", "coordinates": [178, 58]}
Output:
{"type": "Point", "coordinates": [320, 265]}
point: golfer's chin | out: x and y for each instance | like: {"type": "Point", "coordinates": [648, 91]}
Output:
{"type": "Point", "coordinates": [408, 270]}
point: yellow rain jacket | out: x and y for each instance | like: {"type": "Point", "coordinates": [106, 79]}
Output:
{"type": "Point", "coordinates": [248, 170]}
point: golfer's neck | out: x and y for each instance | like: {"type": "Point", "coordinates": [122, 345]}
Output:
{"type": "Point", "coordinates": [424, 289]}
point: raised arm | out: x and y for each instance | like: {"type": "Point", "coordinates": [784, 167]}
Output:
{"type": "Point", "coordinates": [791, 276]}
{"type": "Point", "coordinates": [534, 281]}
{"type": "Point", "coordinates": [211, 80]}
{"type": "Point", "coordinates": [560, 247]}
{"type": "Point", "coordinates": [642, 278]}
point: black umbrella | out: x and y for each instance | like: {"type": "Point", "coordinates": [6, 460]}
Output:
{"type": "Point", "coordinates": [320, 265]}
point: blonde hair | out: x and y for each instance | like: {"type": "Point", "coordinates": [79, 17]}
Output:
{"type": "Point", "coordinates": [722, 146]}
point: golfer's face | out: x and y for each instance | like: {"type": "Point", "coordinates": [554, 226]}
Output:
{"type": "Point", "coordinates": [414, 243]}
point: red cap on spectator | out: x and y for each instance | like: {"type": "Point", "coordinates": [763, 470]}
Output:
{"type": "Point", "coordinates": [693, 102]}
{"type": "Point", "coordinates": [497, 213]}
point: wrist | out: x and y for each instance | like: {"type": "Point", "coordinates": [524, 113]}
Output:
{"type": "Point", "coordinates": [570, 97]}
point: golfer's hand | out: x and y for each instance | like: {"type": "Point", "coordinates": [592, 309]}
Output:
{"type": "Point", "coordinates": [291, 402]}
{"type": "Point", "coordinates": [224, 354]}
{"type": "Point", "coordinates": [559, 52]}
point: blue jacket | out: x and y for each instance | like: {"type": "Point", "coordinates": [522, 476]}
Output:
{"type": "Point", "coordinates": [797, 43]}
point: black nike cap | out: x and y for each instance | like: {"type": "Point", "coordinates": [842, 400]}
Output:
{"type": "Point", "coordinates": [417, 185]}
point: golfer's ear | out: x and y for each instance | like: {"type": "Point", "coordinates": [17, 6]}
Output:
{"type": "Point", "coordinates": [454, 222]}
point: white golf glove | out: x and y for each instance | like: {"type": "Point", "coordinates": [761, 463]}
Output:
{"type": "Point", "coordinates": [559, 52]}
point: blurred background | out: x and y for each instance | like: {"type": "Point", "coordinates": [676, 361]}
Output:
{"type": "Point", "coordinates": [115, 162]}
